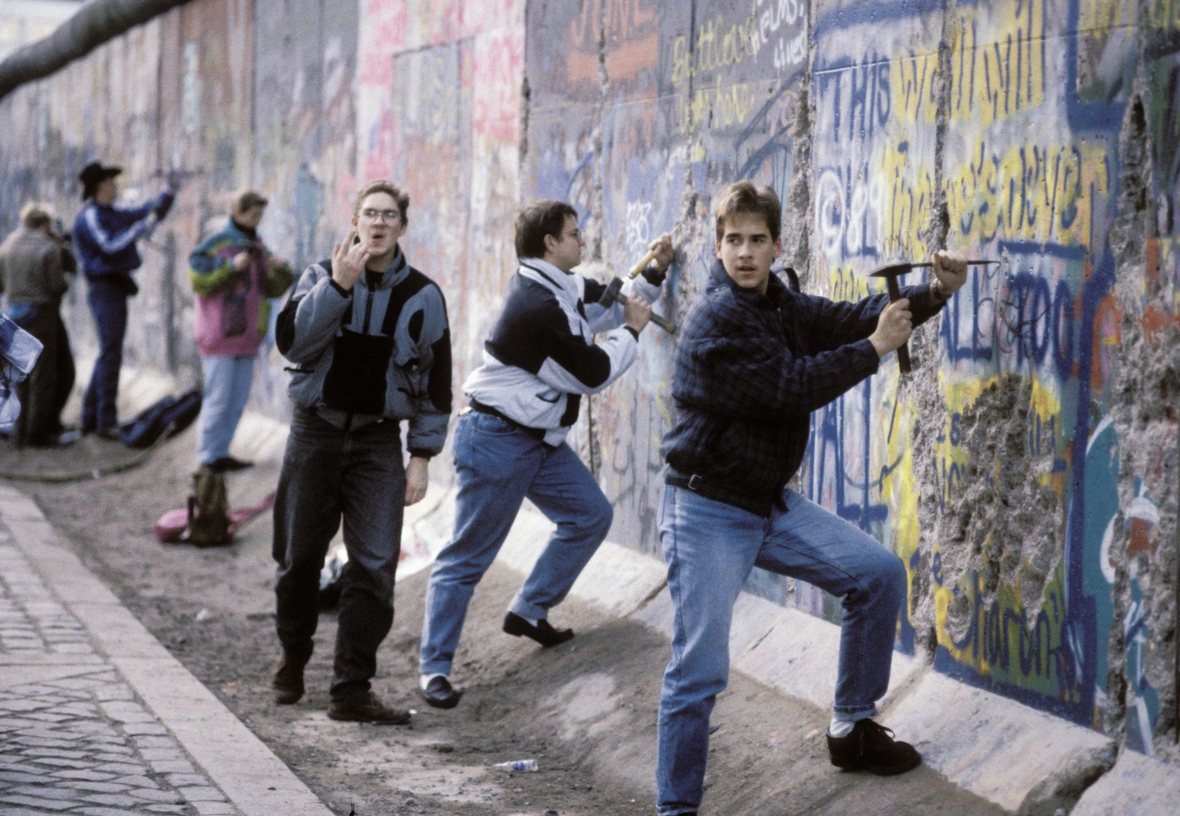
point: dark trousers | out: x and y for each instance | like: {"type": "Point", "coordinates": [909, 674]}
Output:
{"type": "Point", "coordinates": [330, 475]}
{"type": "Point", "coordinates": [45, 391]}
{"type": "Point", "coordinates": [108, 304]}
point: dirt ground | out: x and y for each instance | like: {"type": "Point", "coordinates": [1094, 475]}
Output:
{"type": "Point", "coordinates": [586, 711]}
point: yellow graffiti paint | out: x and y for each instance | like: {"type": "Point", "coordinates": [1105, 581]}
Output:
{"type": "Point", "coordinates": [1164, 14]}
{"type": "Point", "coordinates": [913, 88]}
{"type": "Point", "coordinates": [1103, 15]}
{"type": "Point", "coordinates": [911, 199]}
{"type": "Point", "coordinates": [1030, 192]}
{"type": "Point", "coordinates": [845, 284]}
{"type": "Point", "coordinates": [998, 75]}
{"type": "Point", "coordinates": [721, 106]}
{"type": "Point", "coordinates": [716, 48]}
{"type": "Point", "coordinates": [1011, 641]}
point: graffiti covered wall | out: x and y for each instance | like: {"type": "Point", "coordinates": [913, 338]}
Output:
{"type": "Point", "coordinates": [1027, 472]}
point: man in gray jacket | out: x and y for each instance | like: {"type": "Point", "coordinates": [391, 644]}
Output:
{"type": "Point", "coordinates": [34, 264]}
{"type": "Point", "coordinates": [369, 340]}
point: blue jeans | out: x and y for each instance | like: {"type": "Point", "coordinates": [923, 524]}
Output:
{"type": "Point", "coordinates": [497, 466]}
{"type": "Point", "coordinates": [710, 548]}
{"type": "Point", "coordinates": [329, 474]}
{"type": "Point", "coordinates": [227, 387]}
{"type": "Point", "coordinates": [108, 305]}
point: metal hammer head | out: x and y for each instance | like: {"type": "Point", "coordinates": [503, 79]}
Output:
{"type": "Point", "coordinates": [612, 291]}
{"type": "Point", "coordinates": [892, 270]}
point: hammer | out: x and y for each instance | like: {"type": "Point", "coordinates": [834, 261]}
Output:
{"type": "Point", "coordinates": [613, 294]}
{"type": "Point", "coordinates": [890, 273]}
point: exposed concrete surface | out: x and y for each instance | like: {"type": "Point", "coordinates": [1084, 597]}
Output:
{"type": "Point", "coordinates": [1136, 786]}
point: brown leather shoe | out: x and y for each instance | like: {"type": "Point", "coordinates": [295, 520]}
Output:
{"type": "Point", "coordinates": [287, 683]}
{"type": "Point", "coordinates": [364, 707]}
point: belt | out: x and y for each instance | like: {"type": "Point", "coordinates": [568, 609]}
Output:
{"type": "Point", "coordinates": [535, 433]}
{"type": "Point", "coordinates": [677, 479]}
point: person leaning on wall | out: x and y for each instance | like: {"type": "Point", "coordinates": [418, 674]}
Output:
{"type": "Point", "coordinates": [754, 359]}
{"type": "Point", "coordinates": [232, 274]}
{"type": "Point", "coordinates": [105, 236]}
{"type": "Point", "coordinates": [510, 443]}
{"type": "Point", "coordinates": [35, 266]}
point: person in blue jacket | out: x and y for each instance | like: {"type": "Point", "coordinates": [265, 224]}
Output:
{"type": "Point", "coordinates": [105, 237]}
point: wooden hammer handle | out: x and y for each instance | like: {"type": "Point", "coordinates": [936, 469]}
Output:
{"type": "Point", "coordinates": [903, 351]}
{"type": "Point", "coordinates": [642, 263]}
{"type": "Point", "coordinates": [663, 322]}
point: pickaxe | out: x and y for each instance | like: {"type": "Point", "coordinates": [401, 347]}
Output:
{"type": "Point", "coordinates": [890, 273]}
{"type": "Point", "coordinates": [614, 294]}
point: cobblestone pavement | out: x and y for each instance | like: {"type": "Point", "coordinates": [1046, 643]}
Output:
{"type": "Point", "coordinates": [74, 738]}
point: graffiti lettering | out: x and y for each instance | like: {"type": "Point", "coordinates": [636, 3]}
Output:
{"type": "Point", "coordinates": [855, 99]}
{"type": "Point", "coordinates": [716, 48]}
{"type": "Point", "coordinates": [914, 87]}
{"type": "Point", "coordinates": [719, 106]}
{"type": "Point", "coordinates": [620, 18]}
{"type": "Point", "coordinates": [846, 211]}
{"type": "Point", "coordinates": [1042, 658]}
{"type": "Point", "coordinates": [1001, 78]}
{"type": "Point", "coordinates": [1030, 193]}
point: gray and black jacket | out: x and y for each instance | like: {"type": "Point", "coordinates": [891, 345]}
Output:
{"type": "Point", "coordinates": [379, 351]}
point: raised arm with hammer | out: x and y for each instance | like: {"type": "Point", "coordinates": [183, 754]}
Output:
{"type": "Point", "coordinates": [661, 254]}
{"type": "Point", "coordinates": [950, 272]}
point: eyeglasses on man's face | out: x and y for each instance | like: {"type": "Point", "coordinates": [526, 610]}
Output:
{"type": "Point", "coordinates": [391, 216]}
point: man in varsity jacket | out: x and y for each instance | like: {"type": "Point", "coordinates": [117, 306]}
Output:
{"type": "Point", "coordinates": [510, 443]}
{"type": "Point", "coordinates": [368, 337]}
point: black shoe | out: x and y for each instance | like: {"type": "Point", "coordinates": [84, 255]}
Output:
{"type": "Point", "coordinates": [543, 633]}
{"type": "Point", "coordinates": [364, 707]}
{"type": "Point", "coordinates": [871, 747]}
{"type": "Point", "coordinates": [440, 694]}
{"type": "Point", "coordinates": [287, 683]}
{"type": "Point", "coordinates": [110, 434]}
{"type": "Point", "coordinates": [227, 464]}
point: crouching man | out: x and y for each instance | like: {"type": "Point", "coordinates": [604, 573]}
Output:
{"type": "Point", "coordinates": [369, 340]}
{"type": "Point", "coordinates": [510, 443]}
{"type": "Point", "coordinates": [754, 359]}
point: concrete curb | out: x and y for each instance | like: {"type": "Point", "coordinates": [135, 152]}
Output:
{"type": "Point", "coordinates": [248, 773]}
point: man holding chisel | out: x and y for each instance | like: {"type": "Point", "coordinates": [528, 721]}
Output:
{"type": "Point", "coordinates": [510, 442]}
{"type": "Point", "coordinates": [754, 359]}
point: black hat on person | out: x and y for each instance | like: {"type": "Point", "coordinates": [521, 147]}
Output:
{"type": "Point", "coordinates": [95, 173]}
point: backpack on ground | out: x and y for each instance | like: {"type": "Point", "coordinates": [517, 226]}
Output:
{"type": "Point", "coordinates": [208, 511]}
{"type": "Point", "coordinates": [151, 423]}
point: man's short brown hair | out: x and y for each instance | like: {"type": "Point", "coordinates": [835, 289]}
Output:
{"type": "Point", "coordinates": [744, 197]}
{"type": "Point", "coordinates": [34, 215]}
{"type": "Point", "coordinates": [383, 186]}
{"type": "Point", "coordinates": [541, 218]}
{"type": "Point", "coordinates": [246, 200]}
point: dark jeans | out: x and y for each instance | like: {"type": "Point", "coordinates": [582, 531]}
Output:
{"type": "Point", "coordinates": [108, 304]}
{"type": "Point", "coordinates": [45, 391]}
{"type": "Point", "coordinates": [329, 474]}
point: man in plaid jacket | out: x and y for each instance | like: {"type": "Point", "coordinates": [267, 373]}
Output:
{"type": "Point", "coordinates": [754, 359]}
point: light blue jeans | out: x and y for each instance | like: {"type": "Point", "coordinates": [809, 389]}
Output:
{"type": "Point", "coordinates": [227, 388]}
{"type": "Point", "coordinates": [497, 465]}
{"type": "Point", "coordinates": [710, 548]}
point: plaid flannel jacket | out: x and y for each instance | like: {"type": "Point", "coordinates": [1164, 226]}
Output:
{"type": "Point", "coordinates": [749, 370]}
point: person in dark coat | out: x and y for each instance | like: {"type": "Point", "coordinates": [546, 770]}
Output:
{"type": "Point", "coordinates": [35, 267]}
{"type": "Point", "coordinates": [105, 236]}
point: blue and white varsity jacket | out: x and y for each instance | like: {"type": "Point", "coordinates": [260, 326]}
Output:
{"type": "Point", "coordinates": [541, 356]}
{"type": "Point", "coordinates": [105, 235]}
